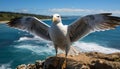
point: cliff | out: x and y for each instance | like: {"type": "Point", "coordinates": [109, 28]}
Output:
{"type": "Point", "coordinates": [92, 60]}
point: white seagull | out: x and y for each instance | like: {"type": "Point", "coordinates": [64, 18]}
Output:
{"type": "Point", "coordinates": [61, 35]}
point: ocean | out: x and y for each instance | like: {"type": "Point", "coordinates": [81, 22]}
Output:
{"type": "Point", "coordinates": [19, 47]}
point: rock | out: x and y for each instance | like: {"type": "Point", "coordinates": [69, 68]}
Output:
{"type": "Point", "coordinates": [39, 64]}
{"type": "Point", "coordinates": [23, 66]}
{"type": "Point", "coordinates": [92, 60]}
{"type": "Point", "coordinates": [31, 66]}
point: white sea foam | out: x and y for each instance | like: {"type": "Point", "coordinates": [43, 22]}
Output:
{"type": "Point", "coordinates": [93, 47]}
{"type": "Point", "coordinates": [36, 49]}
{"type": "Point", "coordinates": [24, 38]}
{"type": "Point", "coordinates": [5, 66]}
{"type": "Point", "coordinates": [81, 46]}
{"type": "Point", "coordinates": [32, 38]}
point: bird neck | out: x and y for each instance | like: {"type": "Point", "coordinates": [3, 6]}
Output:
{"type": "Point", "coordinates": [57, 24]}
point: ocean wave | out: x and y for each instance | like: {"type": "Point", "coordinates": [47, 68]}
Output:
{"type": "Point", "coordinates": [5, 66]}
{"type": "Point", "coordinates": [24, 38]}
{"type": "Point", "coordinates": [42, 50]}
{"type": "Point", "coordinates": [93, 47]}
{"type": "Point", "coordinates": [82, 46]}
{"type": "Point", "coordinates": [32, 38]}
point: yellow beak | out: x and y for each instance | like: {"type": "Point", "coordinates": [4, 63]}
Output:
{"type": "Point", "coordinates": [54, 19]}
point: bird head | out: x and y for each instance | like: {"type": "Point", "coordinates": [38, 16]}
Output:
{"type": "Point", "coordinates": [56, 18]}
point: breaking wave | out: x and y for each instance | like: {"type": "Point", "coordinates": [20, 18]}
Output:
{"type": "Point", "coordinates": [94, 47]}
{"type": "Point", "coordinates": [48, 48]}
{"type": "Point", "coordinates": [5, 66]}
{"type": "Point", "coordinates": [42, 50]}
{"type": "Point", "coordinates": [32, 38]}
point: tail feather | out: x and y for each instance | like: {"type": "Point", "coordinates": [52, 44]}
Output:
{"type": "Point", "coordinates": [73, 51]}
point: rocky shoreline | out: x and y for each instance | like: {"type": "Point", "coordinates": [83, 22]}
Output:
{"type": "Point", "coordinates": [92, 60]}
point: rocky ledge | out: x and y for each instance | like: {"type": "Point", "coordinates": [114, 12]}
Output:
{"type": "Point", "coordinates": [92, 60]}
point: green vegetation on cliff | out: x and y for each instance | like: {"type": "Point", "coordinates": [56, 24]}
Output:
{"type": "Point", "coordinates": [6, 16]}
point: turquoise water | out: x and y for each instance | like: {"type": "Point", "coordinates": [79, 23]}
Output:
{"type": "Point", "coordinates": [18, 47]}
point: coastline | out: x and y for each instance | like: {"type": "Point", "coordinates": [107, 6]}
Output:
{"type": "Point", "coordinates": [8, 21]}
{"type": "Point", "coordinates": [3, 21]}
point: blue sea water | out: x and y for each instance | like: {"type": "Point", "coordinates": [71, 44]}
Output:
{"type": "Point", "coordinates": [19, 47]}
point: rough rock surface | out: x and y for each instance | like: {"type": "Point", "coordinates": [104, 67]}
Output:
{"type": "Point", "coordinates": [92, 60]}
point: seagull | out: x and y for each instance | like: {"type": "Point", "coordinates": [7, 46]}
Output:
{"type": "Point", "coordinates": [61, 35]}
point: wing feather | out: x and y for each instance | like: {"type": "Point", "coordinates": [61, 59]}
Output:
{"type": "Point", "coordinates": [32, 25]}
{"type": "Point", "coordinates": [91, 23]}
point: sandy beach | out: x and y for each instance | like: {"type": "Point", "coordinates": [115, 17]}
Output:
{"type": "Point", "coordinates": [4, 21]}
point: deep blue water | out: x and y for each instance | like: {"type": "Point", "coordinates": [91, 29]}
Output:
{"type": "Point", "coordinates": [18, 47]}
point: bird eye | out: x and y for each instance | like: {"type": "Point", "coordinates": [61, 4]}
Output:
{"type": "Point", "coordinates": [58, 16]}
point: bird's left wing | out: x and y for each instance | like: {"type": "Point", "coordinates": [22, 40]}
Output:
{"type": "Point", "coordinates": [32, 25]}
{"type": "Point", "coordinates": [91, 23]}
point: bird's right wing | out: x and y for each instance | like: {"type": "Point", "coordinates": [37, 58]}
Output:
{"type": "Point", "coordinates": [91, 23]}
{"type": "Point", "coordinates": [32, 25]}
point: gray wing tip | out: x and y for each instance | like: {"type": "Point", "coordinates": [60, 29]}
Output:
{"type": "Point", "coordinates": [14, 21]}
{"type": "Point", "coordinates": [112, 21]}
{"type": "Point", "coordinates": [106, 14]}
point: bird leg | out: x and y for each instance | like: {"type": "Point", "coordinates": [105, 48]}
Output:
{"type": "Point", "coordinates": [64, 66]}
{"type": "Point", "coordinates": [64, 63]}
{"type": "Point", "coordinates": [56, 50]}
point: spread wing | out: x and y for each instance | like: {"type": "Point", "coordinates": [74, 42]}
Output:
{"type": "Point", "coordinates": [32, 25]}
{"type": "Point", "coordinates": [91, 23]}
